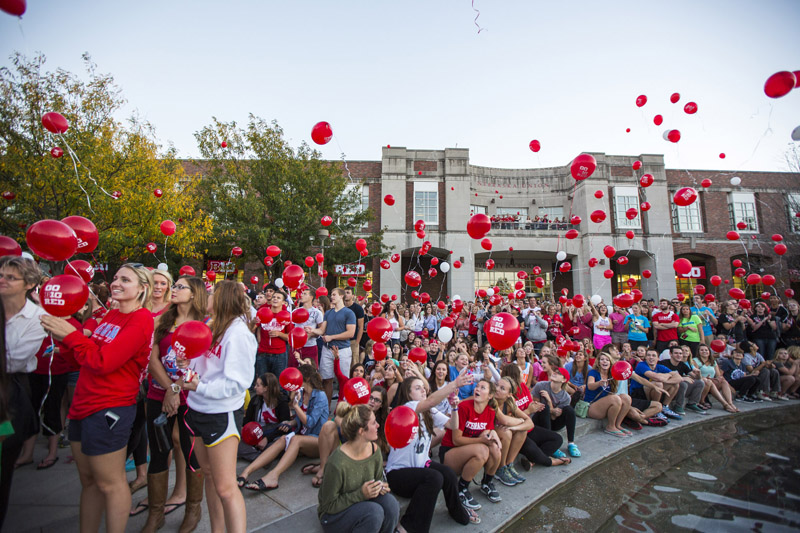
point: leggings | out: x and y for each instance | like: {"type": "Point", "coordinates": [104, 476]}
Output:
{"type": "Point", "coordinates": [159, 461]}
{"type": "Point", "coordinates": [565, 420]}
{"type": "Point", "coordinates": [540, 444]}
{"type": "Point", "coordinates": [378, 515]}
{"type": "Point", "coordinates": [422, 485]}
{"type": "Point", "coordinates": [51, 410]}
{"type": "Point", "coordinates": [137, 443]}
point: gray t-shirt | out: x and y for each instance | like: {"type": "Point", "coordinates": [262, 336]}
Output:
{"type": "Point", "coordinates": [560, 399]}
{"type": "Point", "coordinates": [337, 322]}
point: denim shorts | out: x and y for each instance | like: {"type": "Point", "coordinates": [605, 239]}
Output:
{"type": "Point", "coordinates": [105, 431]}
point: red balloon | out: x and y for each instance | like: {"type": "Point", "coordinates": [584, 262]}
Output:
{"type": "Point", "coordinates": [456, 264]}
{"type": "Point", "coordinates": [321, 133]}
{"type": "Point", "coordinates": [645, 206]}
{"type": "Point", "coordinates": [609, 251]}
{"type": "Point", "coordinates": [252, 432]}
{"type": "Point", "coordinates": [744, 303]}
{"type": "Point", "coordinates": [379, 350]}
{"type": "Point", "coordinates": [598, 194]}
{"type": "Point", "coordinates": [236, 251]}
{"type": "Point", "coordinates": [9, 195]}
{"type": "Point", "coordinates": [418, 355]}
{"type": "Point", "coordinates": [565, 267]}
{"type": "Point", "coordinates": [167, 227]}
{"type": "Point", "coordinates": [402, 427]}
{"type": "Point", "coordinates": [673, 136]}
{"type": "Point", "coordinates": [320, 258]}
{"type": "Point", "coordinates": [621, 370]}
{"type": "Point", "coordinates": [9, 246]}
{"type": "Point", "coordinates": [352, 282]}
{"type": "Point", "coordinates": [718, 345]}
{"type": "Point", "coordinates": [706, 183]}
{"type": "Point", "coordinates": [376, 309]}
{"type": "Point", "coordinates": [191, 339]}
{"type": "Point", "coordinates": [777, 237]}
{"type": "Point", "coordinates": [535, 145]}
{"type": "Point", "coordinates": [502, 331]}
{"type": "Point", "coordinates": [489, 264]}
{"type": "Point", "coordinates": [388, 199]}
{"type": "Point", "coordinates": [52, 240]}
{"type": "Point", "coordinates": [658, 120]}
{"type": "Point", "coordinates": [699, 289]}
{"type": "Point", "coordinates": [682, 266]}
{"type": "Point", "coordinates": [646, 180]}
{"type": "Point", "coordinates": [592, 262]}
{"type": "Point", "coordinates": [356, 391]}
{"type": "Point", "coordinates": [116, 195]}
{"type": "Point", "coordinates": [636, 165]}
{"type": "Point", "coordinates": [82, 269]}
{"type": "Point", "coordinates": [622, 260]}
{"type": "Point", "coordinates": [322, 291]}
{"type": "Point", "coordinates": [269, 261]}
{"type": "Point", "coordinates": [379, 329]}
{"type": "Point", "coordinates": [768, 280]}
{"type": "Point", "coordinates": [681, 297]}
{"type": "Point", "coordinates": [300, 315]}
{"type": "Point", "coordinates": [780, 84]}
{"type": "Point", "coordinates": [685, 196]}
{"type": "Point", "coordinates": [55, 122]}
{"type": "Point", "coordinates": [740, 272]}
{"type": "Point", "coordinates": [157, 192]}
{"type": "Point", "coordinates": [646, 274]}
{"type": "Point", "coordinates": [56, 152]}
{"type": "Point", "coordinates": [597, 216]}
{"type": "Point", "coordinates": [630, 234]}
{"type": "Point", "coordinates": [637, 295]}
{"type": "Point", "coordinates": [641, 100]}
{"type": "Point", "coordinates": [608, 274]}
{"type": "Point", "coordinates": [486, 244]}
{"type": "Point", "coordinates": [432, 272]}
{"type": "Point", "coordinates": [385, 264]}
{"type": "Point", "coordinates": [623, 300]}
{"type": "Point", "coordinates": [709, 298]}
{"type": "Point", "coordinates": [64, 295]}
{"type": "Point", "coordinates": [737, 263]}
{"type": "Point", "coordinates": [690, 108]}
{"type": "Point", "coordinates": [292, 276]}
{"type": "Point", "coordinates": [674, 97]}
{"type": "Point", "coordinates": [631, 213]}
{"type": "Point", "coordinates": [571, 234]}
{"type": "Point", "coordinates": [413, 278]}
{"type": "Point", "coordinates": [753, 279]}
{"type": "Point", "coordinates": [186, 270]}
{"type": "Point", "coordinates": [732, 236]}
{"type": "Point", "coordinates": [715, 280]}
{"type": "Point", "coordinates": [789, 293]}
{"type": "Point", "coordinates": [395, 258]}
{"type": "Point", "coordinates": [152, 247]}
{"type": "Point", "coordinates": [326, 221]}
{"type": "Point", "coordinates": [575, 220]}
{"type": "Point", "coordinates": [478, 226]}
{"type": "Point", "coordinates": [419, 225]}
{"type": "Point", "coordinates": [736, 293]}
{"type": "Point", "coordinates": [211, 275]}
{"type": "Point", "coordinates": [361, 244]}
{"type": "Point", "coordinates": [577, 300]}
{"type": "Point", "coordinates": [297, 338]}
{"type": "Point", "coordinates": [224, 144]}
{"type": "Point", "coordinates": [583, 166]}
{"type": "Point", "coordinates": [86, 232]}
{"type": "Point", "coordinates": [780, 248]}
{"type": "Point", "coordinates": [273, 251]}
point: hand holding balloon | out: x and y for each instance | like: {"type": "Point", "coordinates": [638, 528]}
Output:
{"type": "Point", "coordinates": [57, 327]}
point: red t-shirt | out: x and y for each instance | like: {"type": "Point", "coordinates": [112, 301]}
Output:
{"type": "Point", "coordinates": [554, 324]}
{"type": "Point", "coordinates": [269, 344]}
{"type": "Point", "coordinates": [63, 361]}
{"type": "Point", "coordinates": [112, 362]}
{"type": "Point", "coordinates": [665, 318]}
{"type": "Point", "coordinates": [471, 423]}
{"type": "Point", "coordinates": [523, 397]}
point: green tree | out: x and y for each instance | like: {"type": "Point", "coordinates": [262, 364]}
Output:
{"type": "Point", "coordinates": [263, 192]}
{"type": "Point", "coordinates": [118, 157]}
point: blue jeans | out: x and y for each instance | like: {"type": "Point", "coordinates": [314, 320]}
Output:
{"type": "Point", "coordinates": [270, 362]}
{"type": "Point", "coordinates": [371, 516]}
{"type": "Point", "coordinates": [766, 347]}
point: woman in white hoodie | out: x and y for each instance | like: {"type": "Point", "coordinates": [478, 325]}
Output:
{"type": "Point", "coordinates": [216, 402]}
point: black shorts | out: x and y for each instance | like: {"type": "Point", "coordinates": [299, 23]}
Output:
{"type": "Point", "coordinates": [639, 394]}
{"type": "Point", "coordinates": [443, 450]}
{"type": "Point", "coordinates": [640, 404]}
{"type": "Point", "coordinates": [105, 431]}
{"type": "Point", "coordinates": [216, 427]}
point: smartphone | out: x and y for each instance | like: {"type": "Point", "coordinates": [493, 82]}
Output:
{"type": "Point", "coordinates": [111, 419]}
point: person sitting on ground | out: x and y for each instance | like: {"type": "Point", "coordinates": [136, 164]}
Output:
{"type": "Point", "coordinates": [562, 415]}
{"type": "Point", "coordinates": [668, 385]}
{"type": "Point", "coordinates": [695, 387]}
{"type": "Point", "coordinates": [790, 374]}
{"type": "Point", "coordinates": [603, 401]}
{"type": "Point", "coordinates": [769, 379]}
{"type": "Point", "coordinates": [736, 374]}
{"type": "Point", "coordinates": [710, 372]}
{"type": "Point", "coordinates": [269, 407]}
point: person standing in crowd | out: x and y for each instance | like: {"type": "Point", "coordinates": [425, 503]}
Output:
{"type": "Point", "coordinates": [536, 329]}
{"type": "Point", "coordinates": [690, 329]}
{"type": "Point", "coordinates": [638, 325]}
{"type": "Point", "coordinates": [23, 336]}
{"type": "Point", "coordinates": [665, 324]}
{"type": "Point", "coordinates": [762, 329]}
{"type": "Point", "coordinates": [602, 325]}
{"type": "Point", "coordinates": [162, 281]}
{"type": "Point", "coordinates": [337, 329]}
{"type": "Point", "coordinates": [216, 404]}
{"type": "Point", "coordinates": [790, 328]}
{"type": "Point", "coordinates": [273, 346]}
{"type": "Point", "coordinates": [708, 317]}
{"type": "Point", "coordinates": [398, 324]}
{"type": "Point", "coordinates": [358, 311]}
{"type": "Point", "coordinates": [309, 350]}
{"type": "Point", "coordinates": [732, 321]}
{"type": "Point", "coordinates": [104, 405]}
{"type": "Point", "coordinates": [619, 333]}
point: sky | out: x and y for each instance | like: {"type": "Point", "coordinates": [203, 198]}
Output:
{"type": "Point", "coordinates": [419, 74]}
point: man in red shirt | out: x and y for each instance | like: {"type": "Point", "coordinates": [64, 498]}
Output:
{"type": "Point", "coordinates": [665, 323]}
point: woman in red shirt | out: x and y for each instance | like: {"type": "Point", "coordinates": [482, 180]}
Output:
{"type": "Point", "coordinates": [112, 363]}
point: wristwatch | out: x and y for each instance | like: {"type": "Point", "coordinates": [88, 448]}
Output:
{"type": "Point", "coordinates": [175, 388]}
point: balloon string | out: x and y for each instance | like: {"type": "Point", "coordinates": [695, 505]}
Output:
{"type": "Point", "coordinates": [73, 157]}
{"type": "Point", "coordinates": [475, 21]}
{"type": "Point", "coordinates": [165, 249]}
{"type": "Point", "coordinates": [49, 384]}
{"type": "Point", "coordinates": [88, 170]}
{"type": "Point", "coordinates": [88, 285]}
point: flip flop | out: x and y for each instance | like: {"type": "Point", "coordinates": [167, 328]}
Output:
{"type": "Point", "coordinates": [615, 433]}
{"type": "Point", "coordinates": [174, 506]}
{"type": "Point", "coordinates": [20, 465]}
{"type": "Point", "coordinates": [46, 463]}
{"type": "Point", "coordinates": [310, 468]}
{"type": "Point", "coordinates": [316, 482]}
{"type": "Point", "coordinates": [140, 508]}
{"type": "Point", "coordinates": [259, 486]}
{"type": "Point", "coordinates": [241, 481]}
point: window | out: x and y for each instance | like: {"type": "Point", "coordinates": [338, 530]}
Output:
{"type": "Point", "coordinates": [624, 199]}
{"type": "Point", "coordinates": [478, 210]}
{"type": "Point", "coordinates": [426, 202]}
{"type": "Point", "coordinates": [685, 286]}
{"type": "Point", "coordinates": [552, 212]}
{"type": "Point", "coordinates": [351, 191]}
{"type": "Point", "coordinates": [622, 282]}
{"type": "Point", "coordinates": [687, 219]}
{"type": "Point", "coordinates": [507, 279]}
{"type": "Point", "coordinates": [742, 208]}
{"type": "Point", "coordinates": [792, 209]}
{"type": "Point", "coordinates": [521, 211]}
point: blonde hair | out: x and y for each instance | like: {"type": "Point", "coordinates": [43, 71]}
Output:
{"type": "Point", "coordinates": [168, 293]}
{"type": "Point", "coordinates": [355, 418]}
{"type": "Point", "coordinates": [145, 278]}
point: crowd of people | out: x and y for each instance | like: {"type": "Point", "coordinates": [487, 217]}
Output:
{"type": "Point", "coordinates": [520, 221]}
{"type": "Point", "coordinates": [107, 383]}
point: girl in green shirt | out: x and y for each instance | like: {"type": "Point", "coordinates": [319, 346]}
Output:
{"type": "Point", "coordinates": [690, 329]}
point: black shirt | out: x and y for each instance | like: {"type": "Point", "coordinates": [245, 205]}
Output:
{"type": "Point", "coordinates": [682, 368]}
{"type": "Point", "coordinates": [359, 312]}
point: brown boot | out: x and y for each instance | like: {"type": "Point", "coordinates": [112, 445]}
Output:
{"type": "Point", "coordinates": [157, 486]}
{"type": "Point", "coordinates": [194, 500]}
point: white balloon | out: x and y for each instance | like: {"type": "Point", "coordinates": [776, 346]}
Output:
{"type": "Point", "coordinates": [444, 267]}
{"type": "Point", "coordinates": [665, 135]}
{"type": "Point", "coordinates": [596, 299]}
{"type": "Point", "coordinates": [736, 180]}
{"type": "Point", "coordinates": [163, 267]}
{"type": "Point", "coordinates": [279, 283]}
{"type": "Point", "coordinates": [456, 297]}
{"type": "Point", "coordinates": [26, 255]}
{"type": "Point", "coordinates": [561, 256]}
{"type": "Point", "coordinates": [489, 292]}
{"type": "Point", "coordinates": [445, 334]}
{"type": "Point", "coordinates": [796, 134]}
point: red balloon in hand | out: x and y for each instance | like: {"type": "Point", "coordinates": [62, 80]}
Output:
{"type": "Point", "coordinates": [52, 240]}
{"type": "Point", "coordinates": [252, 432]}
{"type": "Point", "coordinates": [356, 391]}
{"type": "Point", "coordinates": [291, 379]}
{"type": "Point", "coordinates": [402, 426]}
{"type": "Point", "coordinates": [191, 339]}
{"type": "Point", "coordinates": [64, 295]}
{"type": "Point", "coordinates": [87, 233]}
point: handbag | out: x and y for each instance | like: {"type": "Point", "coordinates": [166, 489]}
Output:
{"type": "Point", "coordinates": [582, 409]}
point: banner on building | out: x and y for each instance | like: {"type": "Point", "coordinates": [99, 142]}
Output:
{"type": "Point", "coordinates": [222, 267]}
{"type": "Point", "coordinates": [350, 269]}
{"type": "Point", "coordinates": [697, 272]}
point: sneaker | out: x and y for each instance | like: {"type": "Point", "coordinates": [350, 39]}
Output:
{"type": "Point", "coordinates": [573, 450]}
{"type": "Point", "coordinates": [467, 500]}
{"type": "Point", "coordinates": [632, 424]}
{"type": "Point", "coordinates": [490, 492]}
{"type": "Point", "coordinates": [763, 397]}
{"type": "Point", "coordinates": [680, 410]}
{"type": "Point", "coordinates": [130, 465]}
{"type": "Point", "coordinates": [513, 471]}
{"type": "Point", "coordinates": [63, 441]}
{"type": "Point", "coordinates": [748, 399]}
{"type": "Point", "coordinates": [525, 463]}
{"type": "Point", "coordinates": [558, 454]}
{"type": "Point", "coordinates": [505, 477]}
{"type": "Point", "coordinates": [693, 407]}
{"type": "Point", "coordinates": [662, 416]}
{"type": "Point", "coordinates": [783, 397]}
{"type": "Point", "coordinates": [671, 414]}
{"type": "Point", "coordinates": [738, 399]}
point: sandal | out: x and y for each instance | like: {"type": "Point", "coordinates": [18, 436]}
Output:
{"type": "Point", "coordinates": [140, 508]}
{"type": "Point", "coordinates": [259, 486]}
{"type": "Point", "coordinates": [316, 482]}
{"type": "Point", "coordinates": [20, 465]}
{"type": "Point", "coordinates": [175, 507]}
{"type": "Point", "coordinates": [46, 463]}
{"type": "Point", "coordinates": [731, 409]}
{"type": "Point", "coordinates": [240, 481]}
{"type": "Point", "coordinates": [473, 516]}
{"type": "Point", "coordinates": [310, 468]}
{"type": "Point", "coordinates": [561, 461]}
{"type": "Point", "coordinates": [615, 433]}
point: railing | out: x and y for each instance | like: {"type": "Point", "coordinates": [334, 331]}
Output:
{"type": "Point", "coordinates": [530, 226]}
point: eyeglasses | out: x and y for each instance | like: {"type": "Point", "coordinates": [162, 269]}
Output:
{"type": "Point", "coordinates": [373, 399]}
{"type": "Point", "coordinates": [178, 287]}
{"type": "Point", "coordinates": [9, 277]}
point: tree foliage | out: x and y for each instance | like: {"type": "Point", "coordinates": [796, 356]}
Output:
{"type": "Point", "coordinates": [119, 157]}
{"type": "Point", "coordinates": [263, 192]}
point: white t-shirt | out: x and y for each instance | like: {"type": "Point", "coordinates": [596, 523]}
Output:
{"type": "Point", "coordinates": [415, 455]}
{"type": "Point", "coordinates": [315, 318]}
